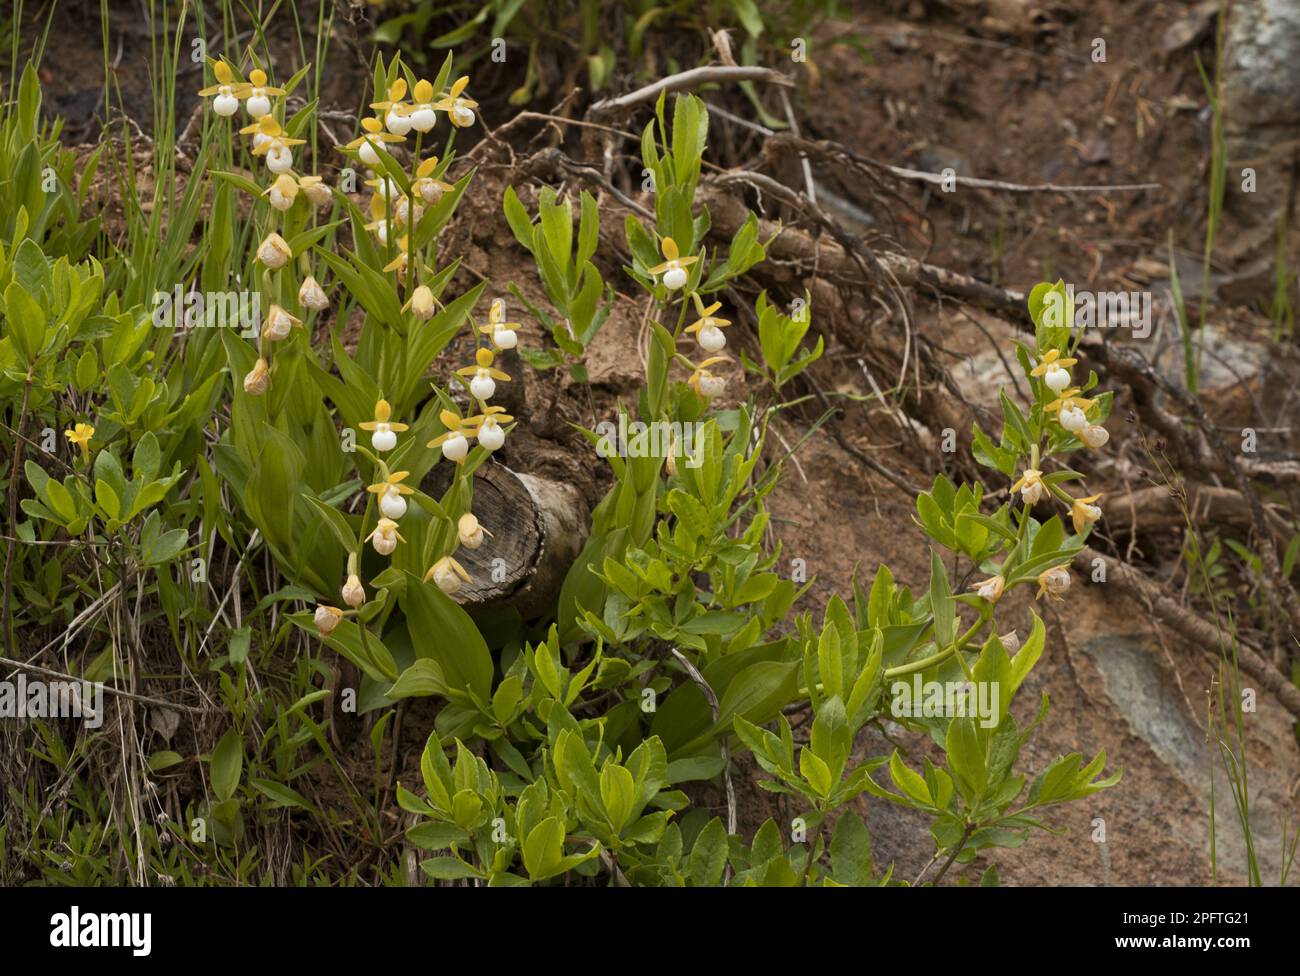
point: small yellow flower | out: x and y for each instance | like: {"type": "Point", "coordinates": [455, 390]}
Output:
{"type": "Point", "coordinates": [704, 381]}
{"type": "Point", "coordinates": [1030, 486]}
{"type": "Point", "coordinates": [1054, 369]}
{"type": "Point", "coordinates": [708, 328]}
{"type": "Point", "coordinates": [489, 431]}
{"type": "Point", "coordinates": [674, 267]}
{"type": "Point", "coordinates": [1068, 398]}
{"type": "Point", "coordinates": [1052, 583]}
{"type": "Point", "coordinates": [80, 434]}
{"type": "Point", "coordinates": [257, 92]}
{"type": "Point", "coordinates": [427, 187]}
{"type": "Point", "coordinates": [504, 335]}
{"type": "Point", "coordinates": [395, 111]}
{"type": "Point", "coordinates": [1084, 513]}
{"type": "Point", "coordinates": [390, 491]}
{"type": "Point", "coordinates": [385, 537]}
{"type": "Point", "coordinates": [384, 431]}
{"type": "Point", "coordinates": [1094, 436]}
{"type": "Point", "coordinates": [992, 588]}
{"type": "Point", "coordinates": [447, 575]}
{"type": "Point", "coordinates": [483, 385]}
{"type": "Point", "coordinates": [279, 324]}
{"type": "Point", "coordinates": [420, 304]}
{"type": "Point", "coordinates": [315, 189]}
{"type": "Point", "coordinates": [460, 111]}
{"type": "Point", "coordinates": [312, 295]}
{"type": "Point", "coordinates": [374, 135]}
{"type": "Point", "coordinates": [282, 193]}
{"type": "Point", "coordinates": [470, 531]}
{"type": "Point", "coordinates": [258, 379]}
{"type": "Point", "coordinates": [327, 618]}
{"type": "Point", "coordinates": [354, 594]}
{"type": "Point", "coordinates": [455, 441]}
{"type": "Point", "coordinates": [274, 251]}
{"type": "Point", "coordinates": [422, 114]}
{"type": "Point", "coordinates": [270, 140]}
{"type": "Point", "coordinates": [226, 90]}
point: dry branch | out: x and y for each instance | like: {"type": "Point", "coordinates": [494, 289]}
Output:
{"type": "Point", "coordinates": [685, 80]}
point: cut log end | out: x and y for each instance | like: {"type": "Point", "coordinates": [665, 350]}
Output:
{"type": "Point", "coordinates": [538, 528]}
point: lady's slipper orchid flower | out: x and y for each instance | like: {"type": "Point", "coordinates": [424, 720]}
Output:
{"type": "Point", "coordinates": [447, 575]}
{"type": "Point", "coordinates": [390, 491]}
{"type": "Point", "coordinates": [385, 188]}
{"type": "Point", "coordinates": [483, 384]}
{"type": "Point", "coordinates": [257, 92]}
{"type": "Point", "coordinates": [470, 531]}
{"type": "Point", "coordinates": [275, 144]}
{"type": "Point", "coordinates": [282, 193]}
{"type": "Point", "coordinates": [394, 109]}
{"type": "Point", "coordinates": [384, 432]}
{"type": "Point", "coordinates": [258, 379]}
{"type": "Point", "coordinates": [1094, 436]}
{"type": "Point", "coordinates": [455, 441]}
{"type": "Point", "coordinates": [385, 537]}
{"type": "Point", "coordinates": [312, 295]}
{"type": "Point", "coordinates": [80, 434]}
{"type": "Point", "coordinates": [708, 329]}
{"type": "Point", "coordinates": [1068, 398]}
{"type": "Point", "coordinates": [1084, 513]}
{"type": "Point", "coordinates": [226, 102]}
{"type": "Point", "coordinates": [354, 594]}
{"type": "Point", "coordinates": [420, 304]}
{"type": "Point", "coordinates": [279, 324]}
{"type": "Point", "coordinates": [674, 267]}
{"type": "Point", "coordinates": [706, 383]}
{"type": "Point", "coordinates": [402, 211]}
{"type": "Point", "coordinates": [274, 251]}
{"type": "Point", "coordinates": [1054, 369]}
{"type": "Point", "coordinates": [315, 190]}
{"type": "Point", "coordinates": [1052, 583]}
{"type": "Point", "coordinates": [327, 618]}
{"type": "Point", "coordinates": [992, 588]}
{"type": "Point", "coordinates": [1030, 486]}
{"type": "Point", "coordinates": [460, 111]}
{"type": "Point", "coordinates": [400, 263]}
{"type": "Point", "coordinates": [504, 335]}
{"type": "Point", "coordinates": [490, 433]}
{"type": "Point", "coordinates": [426, 186]}
{"type": "Point", "coordinates": [1073, 419]}
{"type": "Point", "coordinates": [422, 112]}
{"type": "Point", "coordinates": [374, 135]}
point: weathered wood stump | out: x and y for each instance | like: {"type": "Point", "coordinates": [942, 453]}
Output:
{"type": "Point", "coordinates": [538, 528]}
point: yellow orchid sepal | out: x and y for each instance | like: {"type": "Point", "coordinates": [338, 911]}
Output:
{"type": "Point", "coordinates": [448, 561]}
{"type": "Point", "coordinates": [1049, 359]}
{"type": "Point", "coordinates": [668, 248]}
{"type": "Point", "coordinates": [383, 410]}
{"type": "Point", "coordinates": [226, 78]}
{"type": "Point", "coordinates": [706, 318]}
{"type": "Point", "coordinates": [483, 359]}
{"type": "Point", "coordinates": [394, 480]}
{"type": "Point", "coordinates": [1068, 398]}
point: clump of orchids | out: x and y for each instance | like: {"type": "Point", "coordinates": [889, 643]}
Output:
{"type": "Point", "coordinates": [399, 199]}
{"type": "Point", "coordinates": [270, 142]}
{"type": "Point", "coordinates": [1062, 419]}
